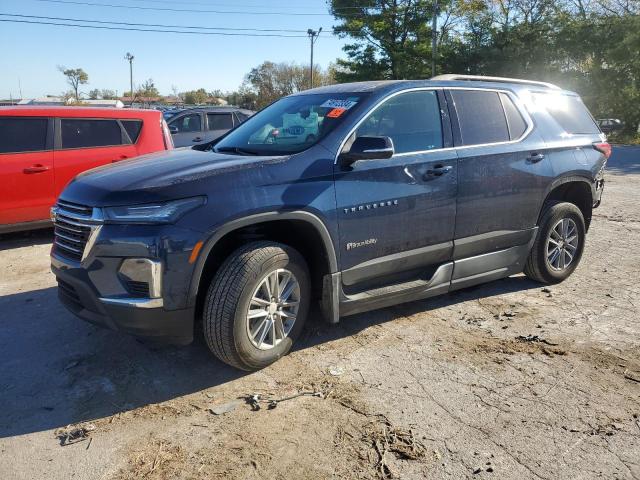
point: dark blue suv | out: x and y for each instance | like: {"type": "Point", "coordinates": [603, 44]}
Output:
{"type": "Point", "coordinates": [345, 198]}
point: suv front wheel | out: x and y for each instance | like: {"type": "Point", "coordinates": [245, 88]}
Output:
{"type": "Point", "coordinates": [558, 247]}
{"type": "Point", "coordinates": [256, 305]}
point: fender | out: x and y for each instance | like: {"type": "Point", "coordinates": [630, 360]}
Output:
{"type": "Point", "coordinates": [253, 220]}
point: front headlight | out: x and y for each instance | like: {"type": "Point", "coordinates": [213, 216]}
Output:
{"type": "Point", "coordinates": [166, 212]}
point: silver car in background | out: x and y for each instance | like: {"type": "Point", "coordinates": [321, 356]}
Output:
{"type": "Point", "coordinates": [194, 126]}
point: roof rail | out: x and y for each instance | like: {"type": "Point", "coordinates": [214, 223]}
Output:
{"type": "Point", "coordinates": [481, 78]}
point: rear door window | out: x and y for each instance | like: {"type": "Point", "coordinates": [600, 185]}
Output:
{"type": "Point", "coordinates": [22, 134]}
{"type": "Point", "coordinates": [85, 133]}
{"type": "Point", "coordinates": [133, 128]}
{"type": "Point", "coordinates": [569, 111]}
{"type": "Point", "coordinates": [412, 120]}
{"type": "Point", "coordinates": [481, 117]}
{"type": "Point", "coordinates": [220, 121]}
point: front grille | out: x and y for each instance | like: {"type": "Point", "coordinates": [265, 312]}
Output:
{"type": "Point", "coordinates": [75, 208]}
{"type": "Point", "coordinates": [72, 229]}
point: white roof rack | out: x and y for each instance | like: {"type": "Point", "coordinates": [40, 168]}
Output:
{"type": "Point", "coordinates": [480, 78]}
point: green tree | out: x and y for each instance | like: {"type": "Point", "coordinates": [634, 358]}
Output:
{"type": "Point", "coordinates": [270, 81]}
{"type": "Point", "coordinates": [196, 97]}
{"type": "Point", "coordinates": [391, 38]}
{"type": "Point", "coordinates": [75, 78]}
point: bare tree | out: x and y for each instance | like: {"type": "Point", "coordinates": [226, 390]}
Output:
{"type": "Point", "coordinates": [75, 78]}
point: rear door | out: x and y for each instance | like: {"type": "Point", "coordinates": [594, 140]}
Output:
{"type": "Point", "coordinates": [26, 169]}
{"type": "Point", "coordinates": [187, 130]}
{"type": "Point", "coordinates": [396, 216]}
{"type": "Point", "coordinates": [503, 171]}
{"type": "Point", "coordinates": [217, 125]}
{"type": "Point", "coordinates": [85, 143]}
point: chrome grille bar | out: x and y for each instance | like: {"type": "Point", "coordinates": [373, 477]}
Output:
{"type": "Point", "coordinates": [76, 229]}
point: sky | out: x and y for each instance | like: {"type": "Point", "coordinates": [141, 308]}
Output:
{"type": "Point", "coordinates": [31, 53]}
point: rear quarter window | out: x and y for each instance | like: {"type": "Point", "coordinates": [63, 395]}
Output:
{"type": "Point", "coordinates": [20, 134]}
{"type": "Point", "coordinates": [85, 133]}
{"type": "Point", "coordinates": [133, 128]}
{"type": "Point", "coordinates": [569, 111]}
{"type": "Point", "coordinates": [481, 117]}
{"type": "Point", "coordinates": [515, 122]}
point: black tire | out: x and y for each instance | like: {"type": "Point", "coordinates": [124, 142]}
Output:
{"type": "Point", "coordinates": [538, 267]}
{"type": "Point", "coordinates": [229, 296]}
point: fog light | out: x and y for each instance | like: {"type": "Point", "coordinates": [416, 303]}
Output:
{"type": "Point", "coordinates": [138, 272]}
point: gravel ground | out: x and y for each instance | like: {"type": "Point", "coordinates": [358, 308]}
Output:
{"type": "Point", "coordinates": [507, 380]}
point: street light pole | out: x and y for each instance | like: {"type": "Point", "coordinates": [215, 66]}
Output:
{"type": "Point", "coordinates": [130, 58]}
{"type": "Point", "coordinates": [434, 37]}
{"type": "Point", "coordinates": [313, 36]}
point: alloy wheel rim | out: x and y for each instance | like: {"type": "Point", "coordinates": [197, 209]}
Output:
{"type": "Point", "coordinates": [273, 309]}
{"type": "Point", "coordinates": [562, 244]}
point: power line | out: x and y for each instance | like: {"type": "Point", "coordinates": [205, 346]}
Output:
{"type": "Point", "coordinates": [189, 27]}
{"type": "Point", "coordinates": [102, 27]}
{"type": "Point", "coordinates": [207, 4]}
{"type": "Point", "coordinates": [166, 9]}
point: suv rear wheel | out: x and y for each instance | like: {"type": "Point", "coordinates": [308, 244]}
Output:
{"type": "Point", "coordinates": [256, 305]}
{"type": "Point", "coordinates": [558, 247]}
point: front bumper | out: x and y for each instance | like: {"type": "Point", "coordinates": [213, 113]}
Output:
{"type": "Point", "coordinates": [143, 318]}
{"type": "Point", "coordinates": [101, 289]}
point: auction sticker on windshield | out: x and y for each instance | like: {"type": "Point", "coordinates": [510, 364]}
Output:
{"type": "Point", "coordinates": [335, 103]}
{"type": "Point", "coordinates": [336, 112]}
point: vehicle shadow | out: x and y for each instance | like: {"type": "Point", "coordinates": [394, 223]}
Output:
{"type": "Point", "coordinates": [57, 370]}
{"type": "Point", "coordinates": [624, 159]}
{"type": "Point", "coordinates": [25, 239]}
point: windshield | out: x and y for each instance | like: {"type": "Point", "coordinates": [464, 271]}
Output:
{"type": "Point", "coordinates": [290, 125]}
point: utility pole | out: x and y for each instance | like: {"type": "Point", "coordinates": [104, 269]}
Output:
{"type": "Point", "coordinates": [434, 37]}
{"type": "Point", "coordinates": [313, 36]}
{"type": "Point", "coordinates": [130, 58]}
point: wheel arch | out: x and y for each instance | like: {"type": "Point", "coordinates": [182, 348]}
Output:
{"type": "Point", "coordinates": [573, 189]}
{"type": "Point", "coordinates": [312, 239]}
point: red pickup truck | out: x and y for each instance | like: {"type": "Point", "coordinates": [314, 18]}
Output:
{"type": "Point", "coordinates": [43, 148]}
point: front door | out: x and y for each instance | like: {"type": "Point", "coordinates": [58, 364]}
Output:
{"type": "Point", "coordinates": [397, 216]}
{"type": "Point", "coordinates": [187, 130]}
{"type": "Point", "coordinates": [26, 169]}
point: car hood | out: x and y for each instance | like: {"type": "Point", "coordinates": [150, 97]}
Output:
{"type": "Point", "coordinates": [161, 176]}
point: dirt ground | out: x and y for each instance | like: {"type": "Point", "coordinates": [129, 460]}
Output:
{"type": "Point", "coordinates": [507, 380]}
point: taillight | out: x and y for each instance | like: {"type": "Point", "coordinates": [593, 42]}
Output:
{"type": "Point", "coordinates": [166, 136]}
{"type": "Point", "coordinates": [603, 148]}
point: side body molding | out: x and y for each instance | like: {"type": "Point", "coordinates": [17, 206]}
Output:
{"type": "Point", "coordinates": [263, 217]}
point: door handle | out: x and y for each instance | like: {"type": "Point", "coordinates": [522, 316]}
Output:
{"type": "Point", "coordinates": [38, 168]}
{"type": "Point", "coordinates": [437, 171]}
{"type": "Point", "coordinates": [535, 157]}
{"type": "Point", "coordinates": [197, 139]}
{"type": "Point", "coordinates": [121, 157]}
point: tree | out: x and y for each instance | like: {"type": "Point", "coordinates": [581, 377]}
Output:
{"type": "Point", "coordinates": [108, 94]}
{"type": "Point", "coordinates": [196, 97]}
{"type": "Point", "coordinates": [147, 89]}
{"type": "Point", "coordinates": [391, 38]}
{"type": "Point", "coordinates": [75, 78]}
{"type": "Point", "coordinates": [271, 81]}
{"type": "Point", "coordinates": [94, 94]}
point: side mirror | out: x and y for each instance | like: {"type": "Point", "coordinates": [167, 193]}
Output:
{"type": "Point", "coordinates": [173, 129]}
{"type": "Point", "coordinates": [368, 148]}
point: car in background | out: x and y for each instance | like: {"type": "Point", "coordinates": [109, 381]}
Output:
{"type": "Point", "coordinates": [43, 148]}
{"type": "Point", "coordinates": [195, 126]}
{"type": "Point", "coordinates": [610, 125]}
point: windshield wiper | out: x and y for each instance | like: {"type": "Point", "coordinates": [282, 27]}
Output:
{"type": "Point", "coordinates": [236, 150]}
